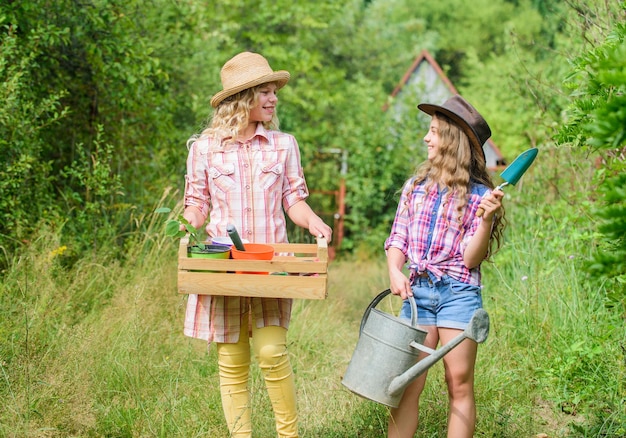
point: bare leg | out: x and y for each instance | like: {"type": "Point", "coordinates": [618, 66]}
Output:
{"type": "Point", "coordinates": [459, 364]}
{"type": "Point", "coordinates": [404, 419]}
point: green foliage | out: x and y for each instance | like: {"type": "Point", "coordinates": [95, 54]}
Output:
{"type": "Point", "coordinates": [172, 227]}
{"type": "Point", "coordinates": [451, 30]}
{"type": "Point", "coordinates": [574, 372]}
{"type": "Point", "coordinates": [25, 117]}
{"type": "Point", "coordinates": [77, 72]}
{"type": "Point", "coordinates": [598, 122]}
{"type": "Point", "coordinates": [573, 349]}
{"type": "Point", "coordinates": [93, 196]}
{"type": "Point", "coordinates": [610, 260]}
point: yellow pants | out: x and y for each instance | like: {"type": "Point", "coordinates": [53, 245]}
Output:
{"type": "Point", "coordinates": [270, 349]}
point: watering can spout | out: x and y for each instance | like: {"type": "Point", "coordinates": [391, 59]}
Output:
{"type": "Point", "coordinates": [477, 330]}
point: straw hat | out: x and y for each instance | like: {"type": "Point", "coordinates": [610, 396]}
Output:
{"type": "Point", "coordinates": [466, 116]}
{"type": "Point", "coordinates": [244, 71]}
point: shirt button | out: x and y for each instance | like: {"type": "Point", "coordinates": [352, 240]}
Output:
{"type": "Point", "coordinates": [248, 187]}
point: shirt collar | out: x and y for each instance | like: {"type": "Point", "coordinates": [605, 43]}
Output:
{"type": "Point", "coordinates": [261, 132]}
{"type": "Point", "coordinates": [260, 138]}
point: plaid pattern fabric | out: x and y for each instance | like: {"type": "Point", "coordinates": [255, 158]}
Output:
{"type": "Point", "coordinates": [428, 230]}
{"type": "Point", "coordinates": [249, 185]}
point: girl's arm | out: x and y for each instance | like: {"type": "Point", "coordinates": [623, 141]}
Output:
{"type": "Point", "coordinates": [400, 285]}
{"type": "Point", "coordinates": [302, 215]}
{"type": "Point", "coordinates": [477, 248]}
{"type": "Point", "coordinates": [196, 195]}
{"type": "Point", "coordinates": [397, 244]}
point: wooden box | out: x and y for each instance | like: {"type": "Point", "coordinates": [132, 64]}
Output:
{"type": "Point", "coordinates": [298, 270]}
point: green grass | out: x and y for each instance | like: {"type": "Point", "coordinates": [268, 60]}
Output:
{"type": "Point", "coordinates": [98, 350]}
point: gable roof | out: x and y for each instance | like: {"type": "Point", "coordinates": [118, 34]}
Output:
{"type": "Point", "coordinates": [436, 87]}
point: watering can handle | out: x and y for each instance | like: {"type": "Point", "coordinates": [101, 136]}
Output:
{"type": "Point", "coordinates": [378, 299]}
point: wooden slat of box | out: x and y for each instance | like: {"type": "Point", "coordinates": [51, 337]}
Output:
{"type": "Point", "coordinates": [300, 271]}
{"type": "Point", "coordinates": [253, 285]}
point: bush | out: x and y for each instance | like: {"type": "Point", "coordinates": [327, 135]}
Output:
{"type": "Point", "coordinates": [597, 120]}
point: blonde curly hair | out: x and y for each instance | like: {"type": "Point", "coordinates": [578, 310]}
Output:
{"type": "Point", "coordinates": [232, 116]}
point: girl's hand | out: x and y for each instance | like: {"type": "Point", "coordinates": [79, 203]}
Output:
{"type": "Point", "coordinates": [491, 204]}
{"type": "Point", "coordinates": [193, 216]}
{"type": "Point", "coordinates": [302, 215]}
{"type": "Point", "coordinates": [478, 245]}
{"type": "Point", "coordinates": [400, 285]}
{"type": "Point", "coordinates": [318, 228]}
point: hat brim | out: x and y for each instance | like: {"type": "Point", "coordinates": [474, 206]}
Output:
{"type": "Point", "coordinates": [431, 109]}
{"type": "Point", "coordinates": [280, 77]}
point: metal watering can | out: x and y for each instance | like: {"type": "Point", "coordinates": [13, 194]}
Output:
{"type": "Point", "coordinates": [385, 359]}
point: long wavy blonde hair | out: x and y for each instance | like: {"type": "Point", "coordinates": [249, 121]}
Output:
{"type": "Point", "coordinates": [456, 168]}
{"type": "Point", "coordinates": [232, 116]}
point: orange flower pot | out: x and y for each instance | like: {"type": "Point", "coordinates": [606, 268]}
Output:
{"type": "Point", "coordinates": [253, 251]}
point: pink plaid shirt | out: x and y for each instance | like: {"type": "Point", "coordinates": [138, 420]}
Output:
{"type": "Point", "coordinates": [428, 231]}
{"type": "Point", "coordinates": [249, 185]}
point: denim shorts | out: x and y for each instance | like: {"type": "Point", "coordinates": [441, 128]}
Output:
{"type": "Point", "coordinates": [446, 303]}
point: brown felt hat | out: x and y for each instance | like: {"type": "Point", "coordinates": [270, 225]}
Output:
{"type": "Point", "coordinates": [247, 70]}
{"type": "Point", "coordinates": [466, 116]}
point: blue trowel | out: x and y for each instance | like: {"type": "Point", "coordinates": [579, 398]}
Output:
{"type": "Point", "coordinates": [515, 170]}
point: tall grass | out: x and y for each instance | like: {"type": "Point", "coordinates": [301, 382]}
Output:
{"type": "Point", "coordinates": [97, 349]}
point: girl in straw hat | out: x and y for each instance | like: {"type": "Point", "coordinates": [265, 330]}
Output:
{"type": "Point", "coordinates": [241, 170]}
{"type": "Point", "coordinates": [438, 231]}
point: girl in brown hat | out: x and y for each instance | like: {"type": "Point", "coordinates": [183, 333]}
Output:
{"type": "Point", "coordinates": [448, 220]}
{"type": "Point", "coordinates": [241, 170]}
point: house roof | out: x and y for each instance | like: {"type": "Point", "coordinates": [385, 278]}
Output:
{"type": "Point", "coordinates": [438, 88]}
